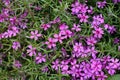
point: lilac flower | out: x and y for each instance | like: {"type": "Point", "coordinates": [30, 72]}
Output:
{"type": "Point", "coordinates": [64, 65]}
{"type": "Point", "coordinates": [110, 29]}
{"type": "Point", "coordinates": [45, 26]}
{"type": "Point", "coordinates": [66, 33]}
{"type": "Point", "coordinates": [51, 43]}
{"type": "Point", "coordinates": [78, 47]}
{"type": "Point", "coordinates": [57, 20]}
{"type": "Point", "coordinates": [90, 11]}
{"type": "Point", "coordinates": [13, 20]}
{"type": "Point", "coordinates": [63, 27]}
{"type": "Point", "coordinates": [17, 64]}
{"type": "Point", "coordinates": [101, 4]}
{"type": "Point", "coordinates": [31, 50]}
{"type": "Point", "coordinates": [58, 37]}
{"type": "Point", "coordinates": [6, 2]}
{"type": "Point", "coordinates": [114, 63]}
{"type": "Point", "coordinates": [83, 17]}
{"type": "Point", "coordinates": [116, 40]}
{"type": "Point", "coordinates": [76, 27]}
{"type": "Point", "coordinates": [75, 8]}
{"type": "Point", "coordinates": [55, 64]}
{"type": "Point", "coordinates": [98, 19]}
{"type": "Point", "coordinates": [35, 35]}
{"type": "Point", "coordinates": [119, 48]}
{"type": "Point", "coordinates": [98, 32]}
{"type": "Point", "coordinates": [101, 76]}
{"type": "Point", "coordinates": [91, 41]}
{"type": "Point", "coordinates": [45, 69]}
{"type": "Point", "coordinates": [96, 65]}
{"type": "Point", "coordinates": [40, 58]}
{"type": "Point", "coordinates": [110, 70]}
{"type": "Point", "coordinates": [16, 45]}
{"type": "Point", "coordinates": [83, 8]}
{"type": "Point", "coordinates": [116, 1]}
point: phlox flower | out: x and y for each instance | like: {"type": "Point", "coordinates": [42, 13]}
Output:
{"type": "Point", "coordinates": [51, 43]}
{"type": "Point", "coordinates": [35, 35]}
{"type": "Point", "coordinates": [31, 51]}
{"type": "Point", "coordinates": [16, 45]}
{"type": "Point", "coordinates": [40, 58]}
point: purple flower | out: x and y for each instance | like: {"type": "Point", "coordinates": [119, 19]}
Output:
{"type": "Point", "coordinates": [64, 65]}
{"type": "Point", "coordinates": [98, 19]}
{"type": "Point", "coordinates": [101, 76]}
{"type": "Point", "coordinates": [101, 4]}
{"type": "Point", "coordinates": [63, 27]}
{"type": "Point", "coordinates": [16, 45]}
{"type": "Point", "coordinates": [91, 41]}
{"type": "Point", "coordinates": [114, 63]}
{"type": "Point", "coordinates": [55, 64]}
{"type": "Point", "coordinates": [6, 2]}
{"type": "Point", "coordinates": [45, 26]}
{"type": "Point", "coordinates": [96, 65]}
{"type": "Point", "coordinates": [76, 27]}
{"type": "Point", "coordinates": [17, 64]}
{"type": "Point", "coordinates": [75, 8]}
{"type": "Point", "coordinates": [83, 17]}
{"type": "Point", "coordinates": [35, 35]}
{"type": "Point", "coordinates": [98, 32]}
{"type": "Point", "coordinates": [116, 1]}
{"type": "Point", "coordinates": [58, 37]}
{"type": "Point", "coordinates": [78, 47]}
{"type": "Point", "coordinates": [40, 58]}
{"type": "Point", "coordinates": [31, 50]}
{"type": "Point", "coordinates": [116, 40]}
{"type": "Point", "coordinates": [51, 43]}
{"type": "Point", "coordinates": [66, 33]}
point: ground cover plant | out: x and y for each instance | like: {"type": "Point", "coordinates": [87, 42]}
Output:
{"type": "Point", "coordinates": [59, 39]}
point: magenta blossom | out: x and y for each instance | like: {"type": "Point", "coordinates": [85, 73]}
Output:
{"type": "Point", "coordinates": [101, 4]}
{"type": "Point", "coordinates": [83, 17]}
{"type": "Point", "coordinates": [31, 50]}
{"type": "Point", "coordinates": [76, 27]}
{"type": "Point", "coordinates": [45, 26]}
{"type": "Point", "coordinates": [78, 47]}
{"type": "Point", "coordinates": [16, 45]}
{"type": "Point", "coordinates": [40, 58]}
{"type": "Point", "coordinates": [91, 41]}
{"type": "Point", "coordinates": [56, 64]}
{"type": "Point", "coordinates": [35, 35]}
{"type": "Point", "coordinates": [98, 32]}
{"type": "Point", "coordinates": [17, 64]}
{"type": "Point", "coordinates": [58, 37]}
{"type": "Point", "coordinates": [51, 43]}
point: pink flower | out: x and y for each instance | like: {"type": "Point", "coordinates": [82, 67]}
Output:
{"type": "Point", "coordinates": [98, 32]}
{"type": "Point", "coordinates": [78, 47]}
{"type": "Point", "coordinates": [35, 35]}
{"type": "Point", "coordinates": [51, 43]}
{"type": "Point", "coordinates": [114, 63]}
{"type": "Point", "coordinates": [31, 50]}
{"type": "Point", "coordinates": [16, 45]}
{"type": "Point", "coordinates": [101, 76]}
{"type": "Point", "coordinates": [40, 58]}
{"type": "Point", "coordinates": [76, 27]}
{"type": "Point", "coordinates": [17, 64]}
{"type": "Point", "coordinates": [98, 19]}
{"type": "Point", "coordinates": [75, 8]}
{"type": "Point", "coordinates": [101, 4]}
{"type": "Point", "coordinates": [83, 17]}
{"type": "Point", "coordinates": [66, 33]}
{"type": "Point", "coordinates": [56, 64]}
{"type": "Point", "coordinates": [58, 37]}
{"type": "Point", "coordinates": [63, 27]}
{"type": "Point", "coordinates": [91, 41]}
{"type": "Point", "coordinates": [45, 26]}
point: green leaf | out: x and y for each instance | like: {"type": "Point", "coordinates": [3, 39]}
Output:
{"type": "Point", "coordinates": [114, 77]}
